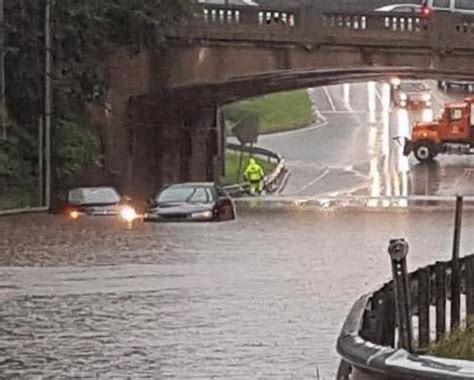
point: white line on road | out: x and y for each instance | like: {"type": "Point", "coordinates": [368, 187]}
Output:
{"type": "Point", "coordinates": [346, 89]}
{"type": "Point", "coordinates": [330, 100]}
{"type": "Point", "coordinates": [378, 95]}
{"type": "Point", "coordinates": [312, 182]}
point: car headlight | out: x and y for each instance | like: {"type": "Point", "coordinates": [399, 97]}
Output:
{"type": "Point", "coordinates": [74, 214]}
{"type": "Point", "coordinates": [403, 96]}
{"type": "Point", "coordinates": [128, 214]}
{"type": "Point", "coordinates": [395, 81]}
{"type": "Point", "coordinates": [202, 215]}
{"type": "Point", "coordinates": [426, 97]}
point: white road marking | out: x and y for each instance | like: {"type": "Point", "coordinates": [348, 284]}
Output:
{"type": "Point", "coordinates": [312, 182]}
{"type": "Point", "coordinates": [330, 100]}
{"type": "Point", "coordinates": [346, 89]}
{"type": "Point", "coordinates": [378, 95]}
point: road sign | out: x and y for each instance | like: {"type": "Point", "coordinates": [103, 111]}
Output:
{"type": "Point", "coordinates": [247, 129]}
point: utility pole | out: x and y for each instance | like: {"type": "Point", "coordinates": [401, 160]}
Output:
{"type": "Point", "coordinates": [47, 102]}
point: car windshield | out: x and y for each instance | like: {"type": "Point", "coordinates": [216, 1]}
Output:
{"type": "Point", "coordinates": [413, 86]}
{"type": "Point", "coordinates": [101, 195]}
{"type": "Point", "coordinates": [186, 194]}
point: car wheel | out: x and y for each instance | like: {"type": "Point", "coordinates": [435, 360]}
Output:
{"type": "Point", "coordinates": [424, 152]}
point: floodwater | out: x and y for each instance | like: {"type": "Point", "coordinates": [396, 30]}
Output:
{"type": "Point", "coordinates": [261, 297]}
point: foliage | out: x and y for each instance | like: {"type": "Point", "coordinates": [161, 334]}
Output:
{"type": "Point", "coordinates": [460, 345]}
{"type": "Point", "coordinates": [84, 34]}
{"type": "Point", "coordinates": [79, 148]}
{"type": "Point", "coordinates": [277, 112]}
{"type": "Point", "coordinates": [15, 169]}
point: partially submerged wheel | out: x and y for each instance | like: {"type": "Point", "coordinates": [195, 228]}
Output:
{"type": "Point", "coordinates": [424, 152]}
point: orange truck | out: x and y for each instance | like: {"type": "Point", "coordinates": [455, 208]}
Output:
{"type": "Point", "coordinates": [452, 133]}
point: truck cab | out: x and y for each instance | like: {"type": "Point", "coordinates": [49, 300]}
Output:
{"type": "Point", "coordinates": [452, 133]}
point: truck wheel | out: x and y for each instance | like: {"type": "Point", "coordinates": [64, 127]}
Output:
{"type": "Point", "coordinates": [424, 152]}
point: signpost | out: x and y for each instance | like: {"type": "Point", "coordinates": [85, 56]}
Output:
{"type": "Point", "coordinates": [246, 131]}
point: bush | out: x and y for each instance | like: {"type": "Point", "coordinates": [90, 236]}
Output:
{"type": "Point", "coordinates": [77, 147]}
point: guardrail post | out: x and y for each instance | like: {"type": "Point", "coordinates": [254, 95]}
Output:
{"type": "Point", "coordinates": [440, 277]}
{"type": "Point", "coordinates": [424, 301]}
{"type": "Point", "coordinates": [398, 250]}
{"type": "Point", "coordinates": [455, 268]}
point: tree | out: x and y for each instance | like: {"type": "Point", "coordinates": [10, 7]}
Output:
{"type": "Point", "coordinates": [85, 33]}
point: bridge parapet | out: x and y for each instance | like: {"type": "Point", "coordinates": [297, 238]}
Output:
{"type": "Point", "coordinates": [240, 15]}
{"type": "Point", "coordinates": [308, 26]}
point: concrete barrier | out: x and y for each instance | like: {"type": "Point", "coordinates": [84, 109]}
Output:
{"type": "Point", "coordinates": [368, 340]}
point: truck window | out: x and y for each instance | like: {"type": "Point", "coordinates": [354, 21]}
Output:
{"type": "Point", "coordinates": [471, 115]}
{"type": "Point", "coordinates": [455, 114]}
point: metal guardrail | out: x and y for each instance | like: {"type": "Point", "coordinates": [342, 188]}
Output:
{"type": "Point", "coordinates": [25, 210]}
{"type": "Point", "coordinates": [272, 181]}
{"type": "Point", "coordinates": [369, 336]}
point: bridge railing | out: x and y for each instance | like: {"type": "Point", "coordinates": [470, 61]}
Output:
{"type": "Point", "coordinates": [241, 15]}
{"type": "Point", "coordinates": [370, 336]}
{"type": "Point", "coordinates": [392, 22]}
{"type": "Point", "coordinates": [307, 26]}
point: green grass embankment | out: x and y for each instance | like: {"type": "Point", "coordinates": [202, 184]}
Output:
{"type": "Point", "coordinates": [460, 345]}
{"type": "Point", "coordinates": [232, 167]}
{"type": "Point", "coordinates": [277, 112]}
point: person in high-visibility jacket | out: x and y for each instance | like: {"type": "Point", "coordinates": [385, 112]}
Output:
{"type": "Point", "coordinates": [254, 174]}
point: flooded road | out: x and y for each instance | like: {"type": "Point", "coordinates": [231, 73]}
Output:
{"type": "Point", "coordinates": [352, 149]}
{"type": "Point", "coordinates": [261, 297]}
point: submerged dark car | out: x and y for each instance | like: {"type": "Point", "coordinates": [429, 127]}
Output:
{"type": "Point", "coordinates": [98, 201]}
{"type": "Point", "coordinates": [191, 202]}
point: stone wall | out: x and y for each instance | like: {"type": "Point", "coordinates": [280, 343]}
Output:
{"type": "Point", "coordinates": [150, 139]}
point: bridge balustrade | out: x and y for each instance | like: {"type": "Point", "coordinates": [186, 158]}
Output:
{"type": "Point", "coordinates": [245, 15]}
{"type": "Point", "coordinates": [387, 22]}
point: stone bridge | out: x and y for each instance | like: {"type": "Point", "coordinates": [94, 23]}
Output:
{"type": "Point", "coordinates": [169, 118]}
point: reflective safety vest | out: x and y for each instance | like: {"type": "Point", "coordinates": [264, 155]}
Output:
{"type": "Point", "coordinates": [254, 172]}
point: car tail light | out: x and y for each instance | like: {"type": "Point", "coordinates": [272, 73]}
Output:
{"type": "Point", "coordinates": [426, 12]}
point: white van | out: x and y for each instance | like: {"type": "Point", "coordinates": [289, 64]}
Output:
{"type": "Point", "coordinates": [458, 6]}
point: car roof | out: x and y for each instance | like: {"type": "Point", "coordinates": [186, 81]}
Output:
{"type": "Point", "coordinates": [93, 188]}
{"type": "Point", "coordinates": [391, 7]}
